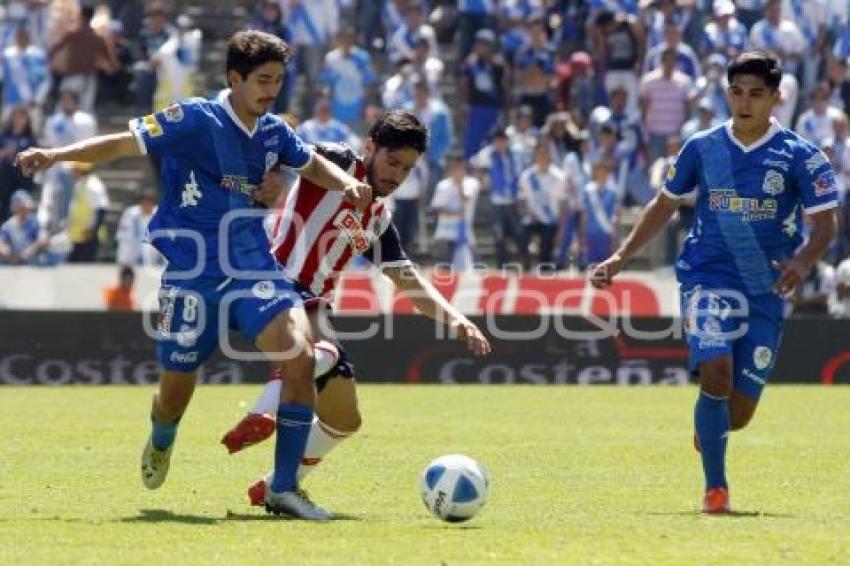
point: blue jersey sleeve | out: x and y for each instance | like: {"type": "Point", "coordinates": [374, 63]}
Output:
{"type": "Point", "coordinates": [293, 151]}
{"type": "Point", "coordinates": [169, 131]}
{"type": "Point", "coordinates": [815, 180]}
{"type": "Point", "coordinates": [683, 176]}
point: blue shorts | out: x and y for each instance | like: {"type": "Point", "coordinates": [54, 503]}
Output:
{"type": "Point", "coordinates": [724, 323]}
{"type": "Point", "coordinates": [196, 314]}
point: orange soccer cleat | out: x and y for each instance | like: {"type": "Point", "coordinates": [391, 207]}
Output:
{"type": "Point", "coordinates": [716, 501]}
{"type": "Point", "coordinates": [252, 429]}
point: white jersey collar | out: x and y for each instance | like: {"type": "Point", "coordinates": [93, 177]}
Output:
{"type": "Point", "coordinates": [224, 99]}
{"type": "Point", "coordinates": [775, 126]}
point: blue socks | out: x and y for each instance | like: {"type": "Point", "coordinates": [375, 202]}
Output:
{"type": "Point", "coordinates": [293, 426]}
{"type": "Point", "coordinates": [163, 435]}
{"type": "Point", "coordinates": [711, 417]}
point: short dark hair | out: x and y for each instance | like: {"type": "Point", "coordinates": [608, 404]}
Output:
{"type": "Point", "coordinates": [398, 129]}
{"type": "Point", "coordinates": [249, 49]}
{"type": "Point", "coordinates": [759, 63]}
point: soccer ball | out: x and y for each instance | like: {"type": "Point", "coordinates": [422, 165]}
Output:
{"type": "Point", "coordinates": [454, 487]}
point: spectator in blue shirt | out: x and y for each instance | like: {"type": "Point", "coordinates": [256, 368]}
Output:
{"type": "Point", "coordinates": [483, 91]}
{"type": "Point", "coordinates": [350, 79]}
{"type": "Point", "coordinates": [22, 239]}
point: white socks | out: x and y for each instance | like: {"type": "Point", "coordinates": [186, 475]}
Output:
{"type": "Point", "coordinates": [320, 441]}
{"type": "Point", "coordinates": [326, 355]}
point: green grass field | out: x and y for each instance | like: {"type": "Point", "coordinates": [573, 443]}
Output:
{"type": "Point", "coordinates": [579, 476]}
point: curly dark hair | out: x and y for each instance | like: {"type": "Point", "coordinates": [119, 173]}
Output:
{"type": "Point", "coordinates": [249, 49]}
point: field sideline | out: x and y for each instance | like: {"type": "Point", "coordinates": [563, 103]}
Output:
{"type": "Point", "coordinates": [579, 476]}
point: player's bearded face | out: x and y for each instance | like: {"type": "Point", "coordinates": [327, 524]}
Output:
{"type": "Point", "coordinates": [386, 168]}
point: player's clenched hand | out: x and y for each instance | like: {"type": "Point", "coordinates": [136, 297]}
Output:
{"type": "Point", "coordinates": [358, 194]}
{"type": "Point", "coordinates": [603, 274]}
{"type": "Point", "coordinates": [270, 189]}
{"type": "Point", "coordinates": [793, 272]}
{"type": "Point", "coordinates": [474, 338]}
{"type": "Point", "coordinates": [35, 159]}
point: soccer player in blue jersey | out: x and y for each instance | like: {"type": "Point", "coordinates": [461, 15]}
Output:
{"type": "Point", "coordinates": [213, 157]}
{"type": "Point", "coordinates": [754, 181]}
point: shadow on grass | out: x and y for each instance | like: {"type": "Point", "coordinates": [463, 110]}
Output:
{"type": "Point", "coordinates": [730, 515]}
{"type": "Point", "coordinates": [165, 516]}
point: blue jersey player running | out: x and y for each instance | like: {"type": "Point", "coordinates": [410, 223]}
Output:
{"type": "Point", "coordinates": [753, 180]}
{"type": "Point", "coordinates": [214, 158]}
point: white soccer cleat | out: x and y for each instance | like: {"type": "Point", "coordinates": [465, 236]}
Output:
{"type": "Point", "coordinates": [295, 505]}
{"type": "Point", "coordinates": [155, 465]}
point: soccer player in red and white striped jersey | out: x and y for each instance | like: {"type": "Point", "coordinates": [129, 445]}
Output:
{"type": "Point", "coordinates": [314, 237]}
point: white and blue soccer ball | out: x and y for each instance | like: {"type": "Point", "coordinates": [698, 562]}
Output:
{"type": "Point", "coordinates": [455, 487]}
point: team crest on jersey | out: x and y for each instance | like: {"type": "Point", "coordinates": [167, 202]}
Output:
{"type": "Point", "coordinates": [774, 183]}
{"type": "Point", "coordinates": [271, 160]}
{"type": "Point", "coordinates": [349, 222]}
{"type": "Point", "coordinates": [762, 357]}
{"type": "Point", "coordinates": [173, 113]}
{"type": "Point", "coordinates": [816, 161]}
{"type": "Point", "coordinates": [263, 290]}
{"type": "Point", "coordinates": [825, 184]}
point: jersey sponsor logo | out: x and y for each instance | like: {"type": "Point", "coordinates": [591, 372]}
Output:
{"type": "Point", "coordinates": [191, 193]}
{"type": "Point", "coordinates": [173, 113]}
{"type": "Point", "coordinates": [816, 161]}
{"type": "Point", "coordinates": [762, 357]}
{"type": "Point", "coordinates": [783, 152]}
{"type": "Point", "coordinates": [774, 183]}
{"type": "Point", "coordinates": [272, 141]}
{"type": "Point", "coordinates": [263, 290]}
{"type": "Point", "coordinates": [750, 209]}
{"type": "Point", "coordinates": [748, 374]}
{"type": "Point", "coordinates": [237, 183]}
{"type": "Point", "coordinates": [825, 184]}
{"type": "Point", "coordinates": [184, 357]}
{"type": "Point", "coordinates": [271, 160]}
{"type": "Point", "coordinates": [784, 165]}
{"type": "Point", "coordinates": [348, 222]}
{"type": "Point", "coordinates": [152, 126]}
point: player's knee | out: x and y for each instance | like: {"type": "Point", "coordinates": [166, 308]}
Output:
{"type": "Point", "coordinates": [715, 377]}
{"type": "Point", "coordinates": [739, 419]}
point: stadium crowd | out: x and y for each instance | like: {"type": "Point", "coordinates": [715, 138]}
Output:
{"type": "Point", "coordinates": [551, 121]}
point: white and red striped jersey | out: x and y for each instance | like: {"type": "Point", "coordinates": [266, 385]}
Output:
{"type": "Point", "coordinates": [316, 234]}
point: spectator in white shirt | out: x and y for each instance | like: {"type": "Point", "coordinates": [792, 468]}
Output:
{"type": "Point", "coordinates": [70, 124]}
{"type": "Point", "coordinates": [454, 202]}
{"type": "Point", "coordinates": [542, 202]}
{"type": "Point", "coordinates": [132, 235]}
{"type": "Point", "coordinates": [779, 35]}
{"type": "Point", "coordinates": [816, 123]}
{"type": "Point", "coordinates": [403, 41]}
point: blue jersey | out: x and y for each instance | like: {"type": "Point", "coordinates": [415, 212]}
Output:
{"type": "Point", "coordinates": [749, 204]}
{"type": "Point", "coordinates": [210, 165]}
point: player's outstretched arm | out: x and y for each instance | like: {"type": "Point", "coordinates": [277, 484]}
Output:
{"type": "Point", "coordinates": [327, 174]}
{"type": "Point", "coordinates": [823, 228]}
{"type": "Point", "coordinates": [652, 220]}
{"type": "Point", "coordinates": [433, 305]}
{"type": "Point", "coordinates": [100, 149]}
